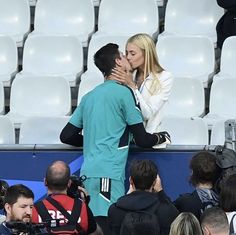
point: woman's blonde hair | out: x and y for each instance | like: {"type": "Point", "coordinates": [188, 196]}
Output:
{"type": "Point", "coordinates": [185, 224]}
{"type": "Point", "coordinates": [151, 63]}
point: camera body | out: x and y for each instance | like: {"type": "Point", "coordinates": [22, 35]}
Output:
{"type": "Point", "coordinates": [76, 182]}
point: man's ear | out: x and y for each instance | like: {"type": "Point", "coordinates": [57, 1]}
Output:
{"type": "Point", "coordinates": [118, 62]}
{"type": "Point", "coordinates": [69, 183]}
{"type": "Point", "coordinates": [131, 181]}
{"type": "Point", "coordinates": [7, 208]}
{"type": "Point", "coordinates": [206, 230]}
{"type": "Point", "coordinates": [45, 182]}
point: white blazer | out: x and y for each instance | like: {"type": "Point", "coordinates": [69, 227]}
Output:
{"type": "Point", "coordinates": [152, 105]}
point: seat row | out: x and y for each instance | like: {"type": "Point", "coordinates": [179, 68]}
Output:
{"type": "Point", "coordinates": [77, 18]}
{"type": "Point", "coordinates": [183, 56]}
{"type": "Point", "coordinates": [51, 96]}
{"type": "Point", "coordinates": [46, 130]}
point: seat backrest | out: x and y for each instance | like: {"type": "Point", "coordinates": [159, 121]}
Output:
{"type": "Point", "coordinates": [228, 53]}
{"type": "Point", "coordinates": [8, 55]}
{"type": "Point", "coordinates": [99, 41]}
{"type": "Point", "coordinates": [87, 84]}
{"type": "Point", "coordinates": [119, 17]}
{"type": "Point", "coordinates": [185, 131]}
{"type": "Point", "coordinates": [71, 17]}
{"type": "Point", "coordinates": [40, 96]}
{"type": "Point", "coordinates": [186, 56]}
{"type": "Point", "coordinates": [7, 131]}
{"type": "Point", "coordinates": [2, 99]}
{"type": "Point", "coordinates": [192, 17]}
{"type": "Point", "coordinates": [52, 55]}
{"type": "Point", "coordinates": [42, 130]}
{"type": "Point", "coordinates": [14, 16]}
{"type": "Point", "coordinates": [218, 133]}
{"type": "Point", "coordinates": [222, 98]}
{"type": "Point", "coordinates": [186, 99]}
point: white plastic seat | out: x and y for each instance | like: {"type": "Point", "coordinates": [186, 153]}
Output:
{"type": "Point", "coordinates": [8, 59]}
{"type": "Point", "coordinates": [222, 100]}
{"type": "Point", "coordinates": [184, 17]}
{"type": "Point", "coordinates": [96, 3]}
{"type": "Point", "coordinates": [7, 132]}
{"type": "Point", "coordinates": [39, 96]}
{"type": "Point", "coordinates": [185, 131]}
{"type": "Point", "coordinates": [70, 17]}
{"type": "Point", "coordinates": [2, 99]}
{"type": "Point", "coordinates": [128, 17]}
{"type": "Point", "coordinates": [186, 99]}
{"type": "Point", "coordinates": [15, 19]}
{"type": "Point", "coordinates": [93, 77]}
{"type": "Point", "coordinates": [42, 130]}
{"type": "Point", "coordinates": [227, 62]}
{"type": "Point", "coordinates": [218, 133]}
{"type": "Point", "coordinates": [187, 56]}
{"type": "Point", "coordinates": [53, 56]}
{"type": "Point", "coordinates": [32, 2]}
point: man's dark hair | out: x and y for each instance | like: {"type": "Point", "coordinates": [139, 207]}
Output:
{"type": "Point", "coordinates": [105, 58]}
{"type": "Point", "coordinates": [228, 194]}
{"type": "Point", "coordinates": [16, 191]}
{"type": "Point", "coordinates": [58, 176]}
{"type": "Point", "coordinates": [204, 168]}
{"type": "Point", "coordinates": [216, 219]}
{"type": "Point", "coordinates": [3, 188]}
{"type": "Point", "coordinates": [143, 173]}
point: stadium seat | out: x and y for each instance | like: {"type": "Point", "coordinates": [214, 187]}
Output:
{"type": "Point", "coordinates": [53, 56]}
{"type": "Point", "coordinates": [218, 133]}
{"type": "Point", "coordinates": [7, 132]}
{"type": "Point", "coordinates": [128, 17]}
{"type": "Point", "coordinates": [70, 17]}
{"type": "Point", "coordinates": [186, 99]}
{"type": "Point", "coordinates": [222, 100]}
{"type": "Point", "coordinates": [15, 19]}
{"type": "Point", "coordinates": [39, 96]}
{"type": "Point", "coordinates": [42, 130]}
{"type": "Point", "coordinates": [8, 59]}
{"type": "Point", "coordinates": [187, 56]}
{"type": "Point", "coordinates": [2, 99]}
{"type": "Point", "coordinates": [32, 2]}
{"type": "Point", "coordinates": [227, 64]}
{"type": "Point", "coordinates": [184, 17]}
{"type": "Point", "coordinates": [93, 77]}
{"type": "Point", "coordinates": [185, 131]}
{"type": "Point", "coordinates": [96, 3]}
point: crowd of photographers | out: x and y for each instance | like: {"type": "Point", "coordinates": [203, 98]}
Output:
{"type": "Point", "coordinates": [66, 210]}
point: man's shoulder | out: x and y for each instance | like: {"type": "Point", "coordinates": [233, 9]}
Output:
{"type": "Point", "coordinates": [4, 230]}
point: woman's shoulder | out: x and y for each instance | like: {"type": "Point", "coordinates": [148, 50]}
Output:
{"type": "Point", "coordinates": [165, 75]}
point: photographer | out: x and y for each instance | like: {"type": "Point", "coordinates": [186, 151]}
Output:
{"type": "Point", "coordinates": [71, 213]}
{"type": "Point", "coordinates": [3, 188]}
{"type": "Point", "coordinates": [146, 195]}
{"type": "Point", "coordinates": [18, 204]}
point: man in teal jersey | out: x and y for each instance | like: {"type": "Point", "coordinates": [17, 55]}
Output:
{"type": "Point", "coordinates": [107, 115]}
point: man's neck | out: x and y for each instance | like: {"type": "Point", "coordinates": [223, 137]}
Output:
{"type": "Point", "coordinates": [205, 186]}
{"type": "Point", "coordinates": [50, 192]}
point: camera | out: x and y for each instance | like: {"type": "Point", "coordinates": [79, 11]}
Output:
{"type": "Point", "coordinates": [18, 227]}
{"type": "Point", "coordinates": [76, 181]}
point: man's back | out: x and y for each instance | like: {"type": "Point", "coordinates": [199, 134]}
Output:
{"type": "Point", "coordinates": [142, 201]}
{"type": "Point", "coordinates": [104, 114]}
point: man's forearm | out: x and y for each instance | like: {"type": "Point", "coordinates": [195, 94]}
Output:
{"type": "Point", "coordinates": [142, 138]}
{"type": "Point", "coordinates": [71, 135]}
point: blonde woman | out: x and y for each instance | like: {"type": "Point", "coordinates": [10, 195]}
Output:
{"type": "Point", "coordinates": [185, 224]}
{"type": "Point", "coordinates": [150, 82]}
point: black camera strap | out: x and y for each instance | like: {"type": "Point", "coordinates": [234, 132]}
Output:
{"type": "Point", "coordinates": [72, 218]}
